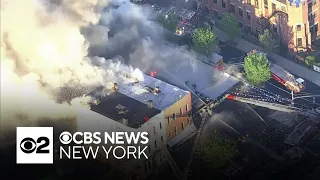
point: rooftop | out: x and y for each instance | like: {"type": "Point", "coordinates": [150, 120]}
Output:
{"type": "Point", "coordinates": [123, 109]}
{"type": "Point", "coordinates": [181, 12]}
{"type": "Point", "coordinates": [293, 152]}
{"type": "Point", "coordinates": [133, 101]}
{"type": "Point", "coordinates": [300, 130]}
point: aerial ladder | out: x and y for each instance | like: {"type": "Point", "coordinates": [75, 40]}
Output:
{"type": "Point", "coordinates": [206, 113]}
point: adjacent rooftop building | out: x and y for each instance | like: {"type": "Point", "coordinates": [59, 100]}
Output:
{"type": "Point", "coordinates": [184, 14]}
{"type": "Point", "coordinates": [300, 133]}
{"type": "Point", "coordinates": [295, 22]}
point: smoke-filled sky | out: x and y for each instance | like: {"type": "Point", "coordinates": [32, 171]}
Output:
{"type": "Point", "coordinates": [47, 45]}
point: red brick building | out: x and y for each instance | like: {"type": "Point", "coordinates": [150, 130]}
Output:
{"type": "Point", "coordinates": [294, 21]}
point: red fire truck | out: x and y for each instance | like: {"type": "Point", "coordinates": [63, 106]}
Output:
{"type": "Point", "coordinates": [287, 79]}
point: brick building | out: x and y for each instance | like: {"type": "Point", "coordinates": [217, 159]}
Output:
{"type": "Point", "coordinates": [130, 105]}
{"type": "Point", "coordinates": [294, 21]}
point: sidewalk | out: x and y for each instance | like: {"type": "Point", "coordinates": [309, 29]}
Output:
{"type": "Point", "coordinates": [292, 67]}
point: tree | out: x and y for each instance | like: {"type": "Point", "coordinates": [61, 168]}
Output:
{"type": "Point", "coordinates": [310, 60]}
{"type": "Point", "coordinates": [217, 151]}
{"type": "Point", "coordinates": [204, 41]}
{"type": "Point", "coordinates": [169, 21]}
{"type": "Point", "coordinates": [230, 25]}
{"type": "Point", "coordinates": [268, 41]}
{"type": "Point", "coordinates": [257, 68]}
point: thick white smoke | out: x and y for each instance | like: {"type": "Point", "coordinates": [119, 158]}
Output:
{"type": "Point", "coordinates": [42, 50]}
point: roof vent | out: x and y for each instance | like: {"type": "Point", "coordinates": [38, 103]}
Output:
{"type": "Point", "coordinates": [122, 111]}
{"type": "Point", "coordinates": [156, 90]}
{"type": "Point", "coordinates": [150, 105]}
{"type": "Point", "coordinates": [125, 121]}
{"type": "Point", "coordinates": [115, 87]}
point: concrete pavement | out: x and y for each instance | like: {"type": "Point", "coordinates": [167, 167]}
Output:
{"type": "Point", "coordinates": [292, 67]}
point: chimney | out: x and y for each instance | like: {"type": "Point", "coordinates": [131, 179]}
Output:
{"type": "Point", "coordinates": [150, 105]}
{"type": "Point", "coordinates": [156, 90]}
{"type": "Point", "coordinates": [115, 87]}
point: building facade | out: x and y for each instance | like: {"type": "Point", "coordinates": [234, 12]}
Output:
{"type": "Point", "coordinates": [133, 106]}
{"type": "Point", "coordinates": [294, 21]}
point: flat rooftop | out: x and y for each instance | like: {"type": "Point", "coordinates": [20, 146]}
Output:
{"type": "Point", "coordinates": [135, 100]}
{"type": "Point", "coordinates": [181, 12]}
{"type": "Point", "coordinates": [300, 130]}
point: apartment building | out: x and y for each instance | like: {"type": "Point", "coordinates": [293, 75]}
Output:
{"type": "Point", "coordinates": [130, 105]}
{"type": "Point", "coordinates": [294, 21]}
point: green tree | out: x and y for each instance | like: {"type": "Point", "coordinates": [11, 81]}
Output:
{"type": "Point", "coordinates": [204, 41]}
{"type": "Point", "coordinates": [217, 151]}
{"type": "Point", "coordinates": [230, 25]}
{"type": "Point", "coordinates": [310, 60]}
{"type": "Point", "coordinates": [268, 41]}
{"type": "Point", "coordinates": [257, 68]}
{"type": "Point", "coordinates": [169, 21]}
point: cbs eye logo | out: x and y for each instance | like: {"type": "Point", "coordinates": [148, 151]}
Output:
{"type": "Point", "coordinates": [65, 138]}
{"type": "Point", "coordinates": [34, 145]}
{"type": "Point", "coordinates": [29, 145]}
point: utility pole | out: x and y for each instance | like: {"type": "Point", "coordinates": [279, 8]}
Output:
{"type": "Point", "coordinates": [292, 98]}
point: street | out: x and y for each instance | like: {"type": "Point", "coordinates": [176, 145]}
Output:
{"type": "Point", "coordinates": [233, 55]}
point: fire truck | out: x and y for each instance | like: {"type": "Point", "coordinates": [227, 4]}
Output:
{"type": "Point", "coordinates": [284, 77]}
{"type": "Point", "coordinates": [287, 79]}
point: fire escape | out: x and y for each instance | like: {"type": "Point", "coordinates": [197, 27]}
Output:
{"type": "Point", "coordinates": [264, 21]}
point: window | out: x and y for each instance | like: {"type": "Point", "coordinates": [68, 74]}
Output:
{"type": "Point", "coordinates": [169, 120]}
{"type": "Point", "coordinates": [314, 14]}
{"type": "Point", "coordinates": [248, 15]}
{"type": "Point", "coordinates": [273, 7]}
{"type": "Point", "coordinates": [214, 1]}
{"type": "Point", "coordinates": [274, 27]}
{"type": "Point", "coordinates": [316, 28]}
{"type": "Point", "coordinates": [188, 120]}
{"type": "Point", "coordinates": [154, 129]}
{"type": "Point", "coordinates": [162, 138]}
{"type": "Point", "coordinates": [181, 111]}
{"type": "Point", "coordinates": [240, 12]}
{"type": "Point", "coordinates": [223, 4]}
{"type": "Point", "coordinates": [310, 5]}
{"type": "Point", "coordinates": [240, 24]}
{"type": "Point", "coordinates": [266, 4]}
{"type": "Point", "coordinates": [298, 27]}
{"type": "Point", "coordinates": [248, 28]}
{"type": "Point", "coordinates": [299, 42]}
{"type": "Point", "coordinates": [215, 13]}
{"type": "Point", "coordinates": [182, 125]}
{"type": "Point", "coordinates": [257, 4]}
{"type": "Point", "coordinates": [160, 126]}
{"type": "Point", "coordinates": [187, 107]}
{"type": "Point", "coordinates": [233, 8]}
{"type": "Point", "coordinates": [155, 143]}
{"type": "Point", "coordinates": [174, 116]}
{"type": "Point", "coordinates": [175, 130]}
{"type": "Point", "coordinates": [314, 2]}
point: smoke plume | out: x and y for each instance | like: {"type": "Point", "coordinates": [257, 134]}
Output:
{"type": "Point", "coordinates": [53, 51]}
{"type": "Point", "coordinates": [44, 58]}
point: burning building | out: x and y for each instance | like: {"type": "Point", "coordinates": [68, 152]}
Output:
{"type": "Point", "coordinates": [153, 106]}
